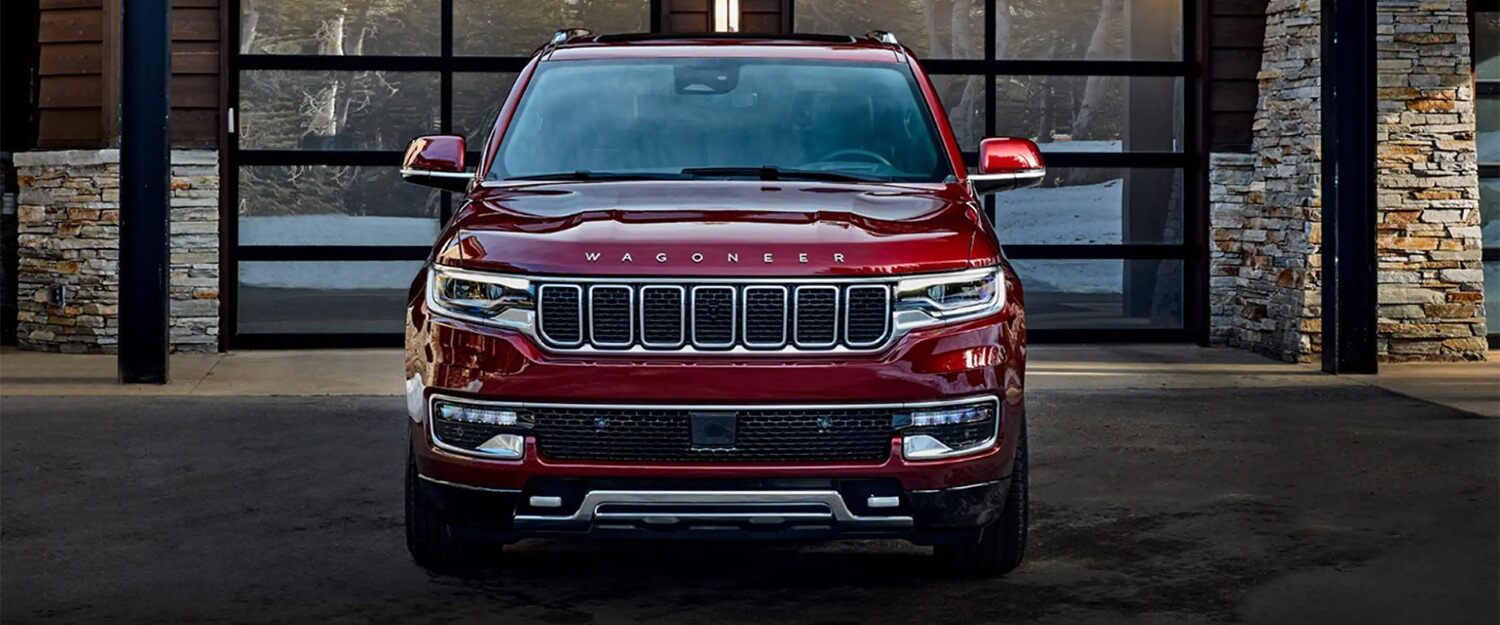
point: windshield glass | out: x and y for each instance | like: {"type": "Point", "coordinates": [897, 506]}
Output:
{"type": "Point", "coordinates": [722, 118]}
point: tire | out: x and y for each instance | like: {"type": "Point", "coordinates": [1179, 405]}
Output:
{"type": "Point", "coordinates": [1002, 543]}
{"type": "Point", "coordinates": [430, 540]}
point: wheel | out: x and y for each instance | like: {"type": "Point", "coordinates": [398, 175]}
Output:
{"type": "Point", "coordinates": [431, 541]}
{"type": "Point", "coordinates": [1002, 543]}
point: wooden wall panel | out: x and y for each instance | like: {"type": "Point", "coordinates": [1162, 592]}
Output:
{"type": "Point", "coordinates": [70, 69]}
{"type": "Point", "coordinates": [687, 16]}
{"type": "Point", "coordinates": [195, 73]}
{"type": "Point", "coordinates": [1235, 38]}
{"type": "Point", "coordinates": [697, 16]}
{"type": "Point", "coordinates": [763, 16]}
{"type": "Point", "coordinates": [78, 57]}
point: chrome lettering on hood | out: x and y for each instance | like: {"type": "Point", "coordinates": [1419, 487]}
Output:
{"type": "Point", "coordinates": [768, 258]}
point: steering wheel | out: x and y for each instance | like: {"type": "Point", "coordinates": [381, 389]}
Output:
{"type": "Point", "coordinates": [863, 155]}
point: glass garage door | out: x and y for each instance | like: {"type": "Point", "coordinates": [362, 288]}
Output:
{"type": "Point", "coordinates": [1105, 246]}
{"type": "Point", "coordinates": [326, 95]}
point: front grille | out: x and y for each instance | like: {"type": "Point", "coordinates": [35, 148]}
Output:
{"type": "Point", "coordinates": [662, 316]}
{"type": "Point", "coordinates": [709, 317]}
{"type": "Point", "coordinates": [867, 317]}
{"type": "Point", "coordinates": [816, 317]}
{"type": "Point", "coordinates": [765, 316]}
{"type": "Point", "coordinates": [610, 316]}
{"type": "Point", "coordinates": [713, 316]}
{"type": "Point", "coordinates": [665, 435]}
{"type": "Point", "coordinates": [561, 318]}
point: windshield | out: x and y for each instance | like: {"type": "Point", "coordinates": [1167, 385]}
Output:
{"type": "Point", "coordinates": [721, 118]}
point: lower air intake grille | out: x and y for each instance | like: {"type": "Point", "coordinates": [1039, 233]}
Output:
{"type": "Point", "coordinates": [771, 435]}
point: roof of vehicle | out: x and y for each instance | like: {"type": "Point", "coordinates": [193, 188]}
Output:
{"type": "Point", "coordinates": [725, 45]}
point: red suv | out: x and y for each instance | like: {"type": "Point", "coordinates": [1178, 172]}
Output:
{"type": "Point", "coordinates": [719, 287]}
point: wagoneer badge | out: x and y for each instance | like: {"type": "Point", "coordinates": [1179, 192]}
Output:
{"type": "Point", "coordinates": [729, 257]}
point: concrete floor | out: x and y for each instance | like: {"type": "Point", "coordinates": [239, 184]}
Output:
{"type": "Point", "coordinates": [1170, 486]}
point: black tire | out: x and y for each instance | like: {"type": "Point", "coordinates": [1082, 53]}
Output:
{"type": "Point", "coordinates": [1002, 543]}
{"type": "Point", "coordinates": [431, 541]}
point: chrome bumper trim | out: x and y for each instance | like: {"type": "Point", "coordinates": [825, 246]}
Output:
{"type": "Point", "coordinates": [485, 489]}
{"type": "Point", "coordinates": [965, 487]}
{"type": "Point", "coordinates": [837, 512]}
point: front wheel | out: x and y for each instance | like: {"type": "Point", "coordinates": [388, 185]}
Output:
{"type": "Point", "coordinates": [432, 542]}
{"type": "Point", "coordinates": [1002, 543]}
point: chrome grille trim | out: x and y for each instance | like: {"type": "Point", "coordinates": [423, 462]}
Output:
{"type": "Point", "coordinates": [542, 324]}
{"type": "Point", "coordinates": [728, 297]}
{"type": "Point", "coordinates": [692, 304]}
{"type": "Point", "coordinates": [833, 338]}
{"type": "Point", "coordinates": [885, 333]}
{"type": "Point", "coordinates": [745, 316]}
{"type": "Point", "coordinates": [682, 306]}
{"type": "Point", "coordinates": [629, 314]}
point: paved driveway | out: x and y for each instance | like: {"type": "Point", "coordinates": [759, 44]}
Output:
{"type": "Point", "coordinates": [1295, 504]}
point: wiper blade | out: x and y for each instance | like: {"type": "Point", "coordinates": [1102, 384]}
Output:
{"type": "Point", "coordinates": [584, 174]}
{"type": "Point", "coordinates": [771, 172]}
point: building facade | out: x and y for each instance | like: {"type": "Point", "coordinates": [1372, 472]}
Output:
{"type": "Point", "coordinates": [1182, 138]}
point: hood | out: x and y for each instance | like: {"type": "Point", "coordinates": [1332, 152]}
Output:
{"type": "Point", "coordinates": [718, 228]}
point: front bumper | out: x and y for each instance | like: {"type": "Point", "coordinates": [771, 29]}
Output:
{"type": "Point", "coordinates": [982, 357]}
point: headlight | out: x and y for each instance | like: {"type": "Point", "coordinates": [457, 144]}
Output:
{"type": "Point", "coordinates": [945, 298]}
{"type": "Point", "coordinates": [485, 298]}
{"type": "Point", "coordinates": [480, 429]}
{"type": "Point", "coordinates": [948, 431]}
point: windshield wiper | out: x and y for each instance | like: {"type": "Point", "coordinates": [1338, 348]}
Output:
{"type": "Point", "coordinates": [584, 174]}
{"type": "Point", "coordinates": [772, 172]}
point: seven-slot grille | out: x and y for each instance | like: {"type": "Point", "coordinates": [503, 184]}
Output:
{"type": "Point", "coordinates": [710, 317]}
{"type": "Point", "coordinates": [624, 434]}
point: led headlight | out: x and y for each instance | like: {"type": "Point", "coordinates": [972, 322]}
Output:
{"type": "Point", "coordinates": [485, 298]}
{"type": "Point", "coordinates": [481, 430]}
{"type": "Point", "coordinates": [948, 431]}
{"type": "Point", "coordinates": [946, 298]}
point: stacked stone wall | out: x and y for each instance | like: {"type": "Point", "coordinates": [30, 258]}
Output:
{"type": "Point", "coordinates": [1429, 246]}
{"type": "Point", "coordinates": [1265, 265]}
{"type": "Point", "coordinates": [68, 241]}
{"type": "Point", "coordinates": [1264, 281]}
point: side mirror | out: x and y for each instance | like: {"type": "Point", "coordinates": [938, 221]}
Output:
{"type": "Point", "coordinates": [1007, 163]}
{"type": "Point", "coordinates": [436, 161]}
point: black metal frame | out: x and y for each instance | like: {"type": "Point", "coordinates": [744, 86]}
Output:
{"type": "Point", "coordinates": [1348, 249]}
{"type": "Point", "coordinates": [1482, 89]}
{"type": "Point", "coordinates": [1191, 160]}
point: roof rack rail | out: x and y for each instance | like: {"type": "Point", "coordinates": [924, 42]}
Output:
{"type": "Point", "coordinates": [627, 37]}
{"type": "Point", "coordinates": [564, 34]}
{"type": "Point", "coordinates": [883, 37]}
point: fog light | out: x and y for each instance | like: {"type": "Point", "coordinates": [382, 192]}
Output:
{"type": "Point", "coordinates": [922, 446]}
{"type": "Point", "coordinates": [507, 446]}
{"type": "Point", "coordinates": [478, 415]}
